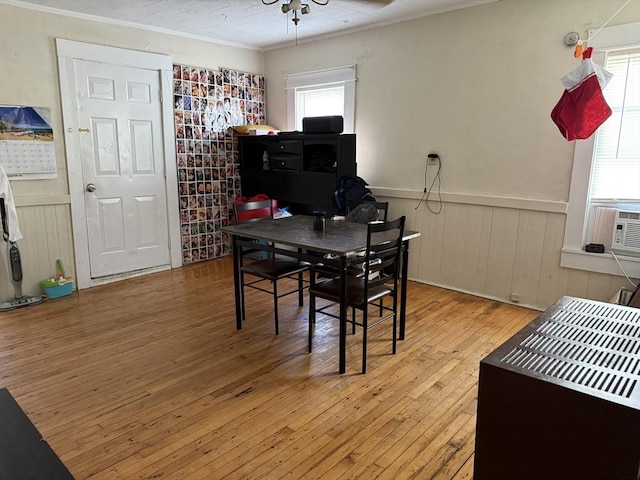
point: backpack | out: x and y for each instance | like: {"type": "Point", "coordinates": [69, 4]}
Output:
{"type": "Point", "coordinates": [351, 191]}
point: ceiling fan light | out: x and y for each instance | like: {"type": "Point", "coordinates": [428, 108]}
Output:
{"type": "Point", "coordinates": [295, 4]}
{"type": "Point", "coordinates": [305, 9]}
{"type": "Point", "coordinates": [286, 7]}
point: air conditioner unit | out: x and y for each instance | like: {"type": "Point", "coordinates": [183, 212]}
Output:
{"type": "Point", "coordinates": [626, 233]}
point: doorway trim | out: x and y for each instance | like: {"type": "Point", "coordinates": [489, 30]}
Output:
{"type": "Point", "coordinates": [68, 51]}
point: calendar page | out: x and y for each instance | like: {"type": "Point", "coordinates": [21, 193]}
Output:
{"type": "Point", "coordinates": [27, 150]}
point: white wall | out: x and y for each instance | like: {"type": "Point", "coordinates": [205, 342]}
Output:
{"type": "Point", "coordinates": [476, 86]}
{"type": "Point", "coordinates": [29, 76]}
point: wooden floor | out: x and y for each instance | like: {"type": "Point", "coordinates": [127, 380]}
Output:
{"type": "Point", "coordinates": [148, 378]}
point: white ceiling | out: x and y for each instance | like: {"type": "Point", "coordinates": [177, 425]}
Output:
{"type": "Point", "coordinates": [247, 23]}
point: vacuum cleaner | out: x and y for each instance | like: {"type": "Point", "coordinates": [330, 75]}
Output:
{"type": "Point", "coordinates": [14, 267]}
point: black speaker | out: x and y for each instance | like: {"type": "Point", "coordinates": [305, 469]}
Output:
{"type": "Point", "coordinates": [330, 124]}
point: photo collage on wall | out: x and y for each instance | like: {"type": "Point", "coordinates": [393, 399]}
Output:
{"type": "Point", "coordinates": [207, 105]}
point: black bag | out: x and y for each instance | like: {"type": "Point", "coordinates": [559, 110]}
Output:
{"type": "Point", "coordinates": [351, 192]}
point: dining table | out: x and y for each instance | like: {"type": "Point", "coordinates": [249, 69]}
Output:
{"type": "Point", "coordinates": [338, 244]}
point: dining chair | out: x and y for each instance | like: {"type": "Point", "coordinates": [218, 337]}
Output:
{"type": "Point", "coordinates": [368, 281]}
{"type": "Point", "coordinates": [383, 210]}
{"type": "Point", "coordinates": [368, 211]}
{"type": "Point", "coordinates": [367, 214]}
{"type": "Point", "coordinates": [270, 269]}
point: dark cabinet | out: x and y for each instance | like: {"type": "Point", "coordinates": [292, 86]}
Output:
{"type": "Point", "coordinates": [560, 400]}
{"type": "Point", "coordinates": [301, 171]}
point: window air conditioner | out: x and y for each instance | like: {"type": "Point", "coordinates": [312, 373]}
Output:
{"type": "Point", "coordinates": [626, 233]}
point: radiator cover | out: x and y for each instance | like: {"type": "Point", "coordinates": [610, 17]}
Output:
{"type": "Point", "coordinates": [561, 398]}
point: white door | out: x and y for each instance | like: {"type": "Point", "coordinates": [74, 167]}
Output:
{"type": "Point", "coordinates": [121, 148]}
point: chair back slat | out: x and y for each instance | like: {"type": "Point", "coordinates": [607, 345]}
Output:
{"type": "Point", "coordinates": [252, 211]}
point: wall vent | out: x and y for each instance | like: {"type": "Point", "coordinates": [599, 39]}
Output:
{"type": "Point", "coordinates": [594, 346]}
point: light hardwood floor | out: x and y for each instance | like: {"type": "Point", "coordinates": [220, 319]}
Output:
{"type": "Point", "coordinates": [148, 378]}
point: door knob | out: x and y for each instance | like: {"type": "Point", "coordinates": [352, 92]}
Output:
{"type": "Point", "coordinates": [91, 187]}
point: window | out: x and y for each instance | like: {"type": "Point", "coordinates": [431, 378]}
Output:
{"type": "Point", "coordinates": [321, 93]}
{"type": "Point", "coordinates": [318, 102]}
{"type": "Point", "coordinates": [606, 166]}
{"type": "Point", "coordinates": [616, 153]}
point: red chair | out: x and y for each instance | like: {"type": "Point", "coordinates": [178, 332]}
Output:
{"type": "Point", "coordinates": [270, 269]}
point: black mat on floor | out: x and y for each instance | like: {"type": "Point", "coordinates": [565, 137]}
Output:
{"type": "Point", "coordinates": [24, 454]}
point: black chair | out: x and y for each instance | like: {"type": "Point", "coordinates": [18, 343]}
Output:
{"type": "Point", "coordinates": [269, 269]}
{"type": "Point", "coordinates": [369, 280]}
{"type": "Point", "coordinates": [364, 213]}
{"type": "Point", "coordinates": [367, 214]}
{"type": "Point", "coordinates": [383, 210]}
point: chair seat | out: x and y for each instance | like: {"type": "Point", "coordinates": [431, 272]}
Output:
{"type": "Point", "coordinates": [330, 289]}
{"type": "Point", "coordinates": [274, 268]}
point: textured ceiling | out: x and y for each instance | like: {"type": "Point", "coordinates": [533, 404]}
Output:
{"type": "Point", "coordinates": [247, 23]}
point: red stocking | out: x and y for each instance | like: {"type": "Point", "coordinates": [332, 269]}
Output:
{"type": "Point", "coordinates": [582, 107]}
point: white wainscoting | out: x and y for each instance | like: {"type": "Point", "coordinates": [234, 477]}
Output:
{"type": "Point", "coordinates": [47, 236]}
{"type": "Point", "coordinates": [487, 246]}
{"type": "Point", "coordinates": [495, 247]}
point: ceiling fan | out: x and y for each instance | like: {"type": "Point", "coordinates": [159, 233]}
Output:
{"type": "Point", "coordinates": [296, 6]}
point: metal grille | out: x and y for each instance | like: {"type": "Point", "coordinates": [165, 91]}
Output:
{"type": "Point", "coordinates": [593, 345]}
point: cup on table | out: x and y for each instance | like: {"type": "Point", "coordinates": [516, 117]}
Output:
{"type": "Point", "coordinates": [319, 222]}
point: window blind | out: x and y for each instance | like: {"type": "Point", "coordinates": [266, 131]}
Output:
{"type": "Point", "coordinates": [318, 102]}
{"type": "Point", "coordinates": [616, 163]}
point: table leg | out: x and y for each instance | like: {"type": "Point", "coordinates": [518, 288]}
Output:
{"type": "Point", "coordinates": [237, 288]}
{"type": "Point", "coordinates": [343, 315]}
{"type": "Point", "coordinates": [403, 288]}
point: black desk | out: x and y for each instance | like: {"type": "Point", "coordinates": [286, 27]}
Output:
{"type": "Point", "coordinates": [340, 238]}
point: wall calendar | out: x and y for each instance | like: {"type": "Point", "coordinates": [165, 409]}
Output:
{"type": "Point", "coordinates": [26, 142]}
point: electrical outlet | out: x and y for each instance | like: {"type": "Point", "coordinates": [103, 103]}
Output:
{"type": "Point", "coordinates": [515, 297]}
{"type": "Point", "coordinates": [433, 158]}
